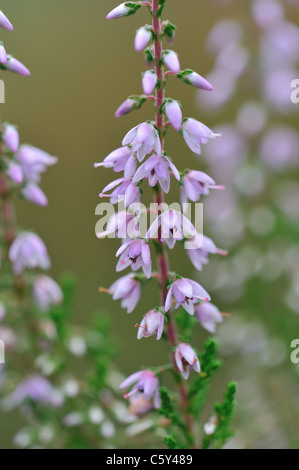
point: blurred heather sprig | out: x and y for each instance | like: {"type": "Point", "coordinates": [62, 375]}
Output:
{"type": "Point", "coordinates": [260, 147]}
{"type": "Point", "coordinates": [62, 408]}
{"type": "Point", "coordinates": [143, 157]}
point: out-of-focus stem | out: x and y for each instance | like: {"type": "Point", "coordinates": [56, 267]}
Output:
{"type": "Point", "coordinates": [163, 264]}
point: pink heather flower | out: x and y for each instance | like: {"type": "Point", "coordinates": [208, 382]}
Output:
{"type": "Point", "coordinates": [139, 406]}
{"type": "Point", "coordinates": [3, 55]}
{"type": "Point", "coordinates": [195, 133]}
{"type": "Point", "coordinates": [144, 139]}
{"type": "Point", "coordinates": [28, 251]}
{"type": "Point", "coordinates": [208, 316]}
{"type": "Point", "coordinates": [121, 159]}
{"type": "Point", "coordinates": [34, 194]}
{"type": "Point", "coordinates": [126, 107]}
{"type": "Point", "coordinates": [126, 190]}
{"type": "Point", "coordinates": [10, 137]}
{"type": "Point", "coordinates": [156, 170]}
{"type": "Point", "coordinates": [174, 227]}
{"type": "Point", "coordinates": [14, 172]}
{"type": "Point", "coordinates": [195, 184]}
{"type": "Point", "coordinates": [46, 292]}
{"type": "Point", "coordinates": [152, 324]}
{"type": "Point", "coordinates": [149, 82]}
{"type": "Point", "coordinates": [146, 383]}
{"type": "Point", "coordinates": [185, 293]}
{"type": "Point", "coordinates": [135, 253]}
{"type": "Point", "coordinates": [35, 388]}
{"type": "Point", "coordinates": [121, 224]}
{"type": "Point", "coordinates": [171, 60]}
{"type": "Point", "coordinates": [123, 10]}
{"type": "Point", "coordinates": [174, 114]}
{"type": "Point", "coordinates": [34, 162]}
{"type": "Point", "coordinates": [14, 65]}
{"type": "Point", "coordinates": [202, 247]}
{"type": "Point", "coordinates": [186, 360]}
{"type": "Point", "coordinates": [4, 22]}
{"type": "Point", "coordinates": [193, 78]}
{"type": "Point", "coordinates": [142, 38]}
{"type": "Point", "coordinates": [127, 289]}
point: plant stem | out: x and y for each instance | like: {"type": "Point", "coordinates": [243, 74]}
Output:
{"type": "Point", "coordinates": [163, 264]}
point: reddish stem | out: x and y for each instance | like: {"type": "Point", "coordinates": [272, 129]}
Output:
{"type": "Point", "coordinates": [163, 264]}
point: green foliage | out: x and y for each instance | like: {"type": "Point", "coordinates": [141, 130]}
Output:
{"type": "Point", "coordinates": [168, 411]}
{"type": "Point", "coordinates": [169, 29]}
{"type": "Point", "coordinates": [61, 313]}
{"type": "Point", "coordinates": [170, 442]}
{"type": "Point", "coordinates": [161, 8]}
{"type": "Point", "coordinates": [224, 412]}
{"type": "Point", "coordinates": [200, 387]}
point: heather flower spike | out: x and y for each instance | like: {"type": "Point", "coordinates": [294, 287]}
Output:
{"type": "Point", "coordinates": [144, 162]}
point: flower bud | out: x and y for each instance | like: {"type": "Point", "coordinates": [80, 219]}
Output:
{"type": "Point", "coordinates": [14, 65]}
{"type": "Point", "coordinates": [126, 107]}
{"type": "Point", "coordinates": [15, 173]}
{"type": "Point", "coordinates": [193, 78]}
{"type": "Point", "coordinates": [34, 194]}
{"type": "Point", "coordinates": [46, 292]}
{"type": "Point", "coordinates": [149, 82]}
{"type": "Point", "coordinates": [10, 137]}
{"type": "Point", "coordinates": [171, 60]}
{"type": "Point", "coordinates": [4, 22]}
{"type": "Point", "coordinates": [3, 55]}
{"type": "Point", "coordinates": [125, 9]}
{"type": "Point", "coordinates": [142, 38]}
{"type": "Point", "coordinates": [174, 114]}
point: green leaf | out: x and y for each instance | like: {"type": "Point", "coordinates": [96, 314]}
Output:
{"type": "Point", "coordinates": [224, 412]}
{"type": "Point", "coordinates": [160, 9]}
{"type": "Point", "coordinates": [171, 442]}
{"type": "Point", "coordinates": [209, 365]}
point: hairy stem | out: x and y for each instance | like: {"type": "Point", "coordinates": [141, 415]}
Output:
{"type": "Point", "coordinates": [163, 264]}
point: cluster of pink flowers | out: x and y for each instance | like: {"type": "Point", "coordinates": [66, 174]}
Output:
{"type": "Point", "coordinates": [144, 145]}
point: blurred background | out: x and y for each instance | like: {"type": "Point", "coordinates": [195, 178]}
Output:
{"type": "Point", "coordinates": [82, 68]}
